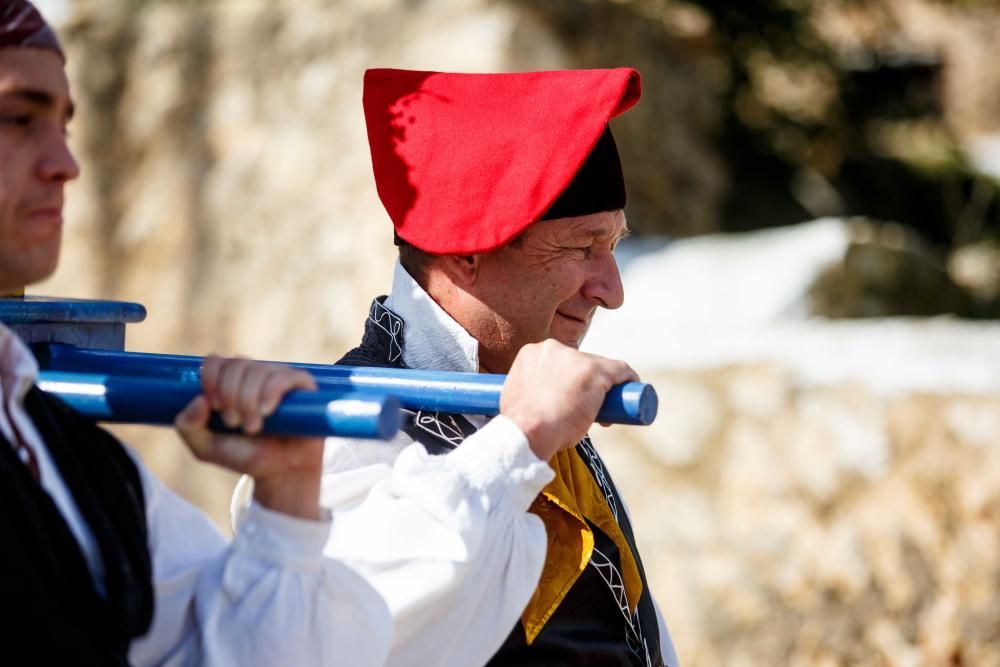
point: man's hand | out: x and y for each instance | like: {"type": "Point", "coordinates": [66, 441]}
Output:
{"type": "Point", "coordinates": [286, 471]}
{"type": "Point", "coordinates": [553, 392]}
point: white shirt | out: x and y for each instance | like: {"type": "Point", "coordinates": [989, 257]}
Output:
{"type": "Point", "coordinates": [270, 597]}
{"type": "Point", "coordinates": [456, 555]}
{"type": "Point", "coordinates": [434, 340]}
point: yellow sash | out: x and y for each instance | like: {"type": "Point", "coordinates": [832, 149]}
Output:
{"type": "Point", "coordinates": [563, 505]}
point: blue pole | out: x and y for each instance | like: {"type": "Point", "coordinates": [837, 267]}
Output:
{"type": "Point", "coordinates": [432, 391]}
{"type": "Point", "coordinates": [144, 400]}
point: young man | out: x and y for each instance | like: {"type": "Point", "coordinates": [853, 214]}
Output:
{"type": "Point", "coordinates": [506, 194]}
{"type": "Point", "coordinates": [102, 565]}
{"type": "Point", "coordinates": [101, 561]}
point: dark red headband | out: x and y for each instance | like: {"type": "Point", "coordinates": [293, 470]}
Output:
{"type": "Point", "coordinates": [465, 162]}
{"type": "Point", "coordinates": [21, 26]}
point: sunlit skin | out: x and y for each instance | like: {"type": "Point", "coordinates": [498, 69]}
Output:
{"type": "Point", "coordinates": [35, 164]}
{"type": "Point", "coordinates": [547, 284]}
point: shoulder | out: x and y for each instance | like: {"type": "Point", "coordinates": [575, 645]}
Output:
{"type": "Point", "coordinates": [61, 424]}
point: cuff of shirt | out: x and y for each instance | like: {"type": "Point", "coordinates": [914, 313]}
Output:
{"type": "Point", "coordinates": [280, 538]}
{"type": "Point", "coordinates": [498, 456]}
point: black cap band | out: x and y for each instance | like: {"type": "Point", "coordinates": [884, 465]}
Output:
{"type": "Point", "coordinates": [598, 186]}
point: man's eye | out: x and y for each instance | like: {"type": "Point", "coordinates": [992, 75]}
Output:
{"type": "Point", "coordinates": [15, 120]}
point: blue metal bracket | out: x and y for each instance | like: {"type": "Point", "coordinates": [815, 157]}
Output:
{"type": "Point", "coordinates": [94, 324]}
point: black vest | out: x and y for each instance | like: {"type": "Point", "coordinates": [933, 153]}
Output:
{"type": "Point", "coordinates": [50, 612]}
{"type": "Point", "coordinates": [592, 625]}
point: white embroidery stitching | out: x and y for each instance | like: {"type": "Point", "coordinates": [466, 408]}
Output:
{"type": "Point", "coordinates": [392, 324]}
{"type": "Point", "coordinates": [600, 475]}
{"type": "Point", "coordinates": [432, 423]}
{"type": "Point", "coordinates": [633, 628]}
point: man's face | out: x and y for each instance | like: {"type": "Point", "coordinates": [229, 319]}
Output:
{"type": "Point", "coordinates": [547, 284]}
{"type": "Point", "coordinates": [35, 163]}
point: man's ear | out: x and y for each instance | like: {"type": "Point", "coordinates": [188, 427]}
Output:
{"type": "Point", "coordinates": [462, 269]}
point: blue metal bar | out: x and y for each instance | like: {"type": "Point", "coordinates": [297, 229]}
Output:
{"type": "Point", "coordinates": [143, 400]}
{"type": "Point", "coordinates": [465, 393]}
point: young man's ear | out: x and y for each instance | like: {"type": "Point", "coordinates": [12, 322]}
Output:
{"type": "Point", "coordinates": [462, 269]}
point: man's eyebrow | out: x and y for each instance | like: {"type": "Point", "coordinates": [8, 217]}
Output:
{"type": "Point", "coordinates": [597, 232]}
{"type": "Point", "coordinates": [39, 98]}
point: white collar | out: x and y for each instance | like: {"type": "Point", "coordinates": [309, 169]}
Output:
{"type": "Point", "coordinates": [18, 371]}
{"type": "Point", "coordinates": [431, 338]}
{"type": "Point", "coordinates": [18, 368]}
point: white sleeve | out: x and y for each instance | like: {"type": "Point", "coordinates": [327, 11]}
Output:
{"type": "Point", "coordinates": [267, 598]}
{"type": "Point", "coordinates": [447, 541]}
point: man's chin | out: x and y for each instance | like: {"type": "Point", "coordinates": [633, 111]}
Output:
{"type": "Point", "coordinates": [570, 340]}
{"type": "Point", "coordinates": [42, 266]}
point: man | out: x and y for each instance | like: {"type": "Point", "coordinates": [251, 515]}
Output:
{"type": "Point", "coordinates": [506, 194]}
{"type": "Point", "coordinates": [102, 565]}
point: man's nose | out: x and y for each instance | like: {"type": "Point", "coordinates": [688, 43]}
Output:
{"type": "Point", "coordinates": [605, 283]}
{"type": "Point", "coordinates": [56, 162]}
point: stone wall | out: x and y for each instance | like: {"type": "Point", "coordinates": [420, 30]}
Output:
{"type": "Point", "coordinates": [226, 176]}
{"type": "Point", "coordinates": [796, 525]}
{"type": "Point", "coordinates": [227, 180]}
{"type": "Point", "coordinates": [226, 185]}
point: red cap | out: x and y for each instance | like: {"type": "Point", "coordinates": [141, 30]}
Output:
{"type": "Point", "coordinates": [465, 162]}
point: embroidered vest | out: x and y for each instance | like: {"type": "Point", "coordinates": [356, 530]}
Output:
{"type": "Point", "coordinates": [593, 624]}
{"type": "Point", "coordinates": [51, 612]}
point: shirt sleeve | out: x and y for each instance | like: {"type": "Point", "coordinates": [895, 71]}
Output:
{"type": "Point", "coordinates": [269, 597]}
{"type": "Point", "coordinates": [447, 541]}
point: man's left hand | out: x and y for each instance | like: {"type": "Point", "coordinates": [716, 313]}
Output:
{"type": "Point", "coordinates": [286, 471]}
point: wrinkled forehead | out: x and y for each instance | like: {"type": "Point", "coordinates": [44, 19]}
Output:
{"type": "Point", "coordinates": [610, 225]}
{"type": "Point", "coordinates": [33, 69]}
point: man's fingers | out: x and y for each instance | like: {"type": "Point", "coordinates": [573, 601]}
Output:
{"type": "Point", "coordinates": [210, 369]}
{"type": "Point", "coordinates": [231, 451]}
{"type": "Point", "coordinates": [230, 381]}
{"type": "Point", "coordinates": [245, 392]}
{"type": "Point", "coordinates": [624, 373]}
{"type": "Point", "coordinates": [279, 383]}
{"type": "Point", "coordinates": [251, 392]}
{"type": "Point", "coordinates": [194, 413]}
{"type": "Point", "coordinates": [613, 372]}
{"type": "Point", "coordinates": [192, 424]}
{"type": "Point", "coordinates": [304, 380]}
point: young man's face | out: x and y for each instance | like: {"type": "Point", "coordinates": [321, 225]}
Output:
{"type": "Point", "coordinates": [548, 285]}
{"type": "Point", "coordinates": [35, 163]}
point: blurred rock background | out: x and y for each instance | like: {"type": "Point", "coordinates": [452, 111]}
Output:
{"type": "Point", "coordinates": [823, 484]}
